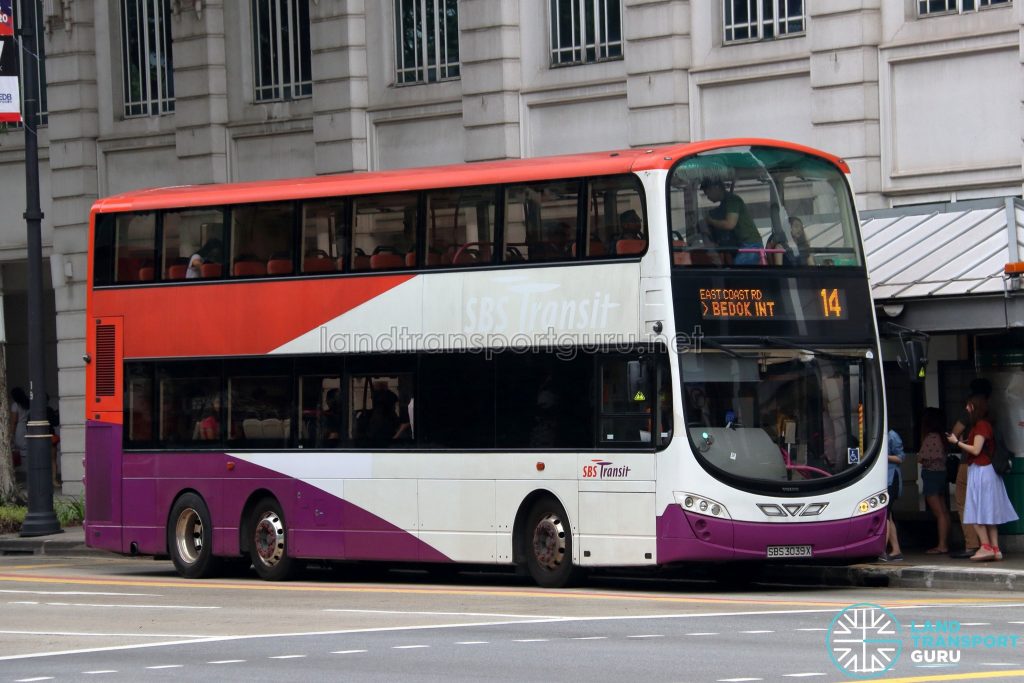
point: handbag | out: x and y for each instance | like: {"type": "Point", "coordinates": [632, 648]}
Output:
{"type": "Point", "coordinates": [952, 467]}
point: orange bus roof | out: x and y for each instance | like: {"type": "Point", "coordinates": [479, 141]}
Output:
{"type": "Point", "coordinates": [411, 179]}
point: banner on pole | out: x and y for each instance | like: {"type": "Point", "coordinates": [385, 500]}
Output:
{"type": "Point", "coordinates": [10, 100]}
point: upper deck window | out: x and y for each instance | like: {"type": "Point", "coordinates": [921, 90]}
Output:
{"type": "Point", "coordinates": [383, 231]}
{"type": "Point", "coordinates": [193, 246]}
{"type": "Point", "coordinates": [756, 206]}
{"type": "Point", "coordinates": [148, 70]}
{"type": "Point", "coordinates": [584, 31]}
{"type": "Point", "coordinates": [282, 59]}
{"type": "Point", "coordinates": [124, 248]}
{"type": "Point", "coordinates": [460, 226]}
{"type": "Point", "coordinates": [749, 20]}
{"type": "Point", "coordinates": [261, 239]}
{"type": "Point", "coordinates": [927, 8]}
{"type": "Point", "coordinates": [426, 41]}
{"type": "Point", "coordinates": [540, 221]}
{"type": "Point", "coordinates": [615, 224]}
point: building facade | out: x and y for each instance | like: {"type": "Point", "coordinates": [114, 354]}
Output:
{"type": "Point", "coordinates": [921, 97]}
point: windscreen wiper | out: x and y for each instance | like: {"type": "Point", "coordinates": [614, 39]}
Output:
{"type": "Point", "coordinates": [718, 346]}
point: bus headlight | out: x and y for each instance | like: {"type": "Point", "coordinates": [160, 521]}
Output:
{"type": "Point", "coordinates": [700, 505]}
{"type": "Point", "coordinates": [872, 503]}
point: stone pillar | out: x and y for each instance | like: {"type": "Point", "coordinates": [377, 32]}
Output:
{"type": "Point", "coordinates": [657, 53]}
{"type": "Point", "coordinates": [200, 92]}
{"type": "Point", "coordinates": [489, 53]}
{"type": "Point", "coordinates": [340, 92]}
{"type": "Point", "coordinates": [73, 130]}
{"type": "Point", "coordinates": [844, 40]}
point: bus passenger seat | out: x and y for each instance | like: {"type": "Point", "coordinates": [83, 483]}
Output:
{"type": "Point", "coordinates": [360, 261]}
{"type": "Point", "coordinates": [249, 268]}
{"type": "Point", "coordinates": [385, 260]}
{"type": "Point", "coordinates": [680, 257]}
{"type": "Point", "coordinates": [177, 271]}
{"type": "Point", "coordinates": [630, 246]}
{"type": "Point", "coordinates": [210, 270]}
{"type": "Point", "coordinates": [597, 248]}
{"type": "Point", "coordinates": [147, 273]}
{"type": "Point", "coordinates": [279, 266]}
{"type": "Point", "coordinates": [410, 259]}
{"type": "Point", "coordinates": [318, 264]}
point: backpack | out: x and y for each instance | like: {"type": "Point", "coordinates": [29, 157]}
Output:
{"type": "Point", "coordinates": [1002, 457]}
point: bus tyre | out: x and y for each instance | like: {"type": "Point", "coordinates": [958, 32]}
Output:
{"type": "Point", "coordinates": [190, 538]}
{"type": "Point", "coordinates": [548, 545]}
{"type": "Point", "coordinates": [267, 541]}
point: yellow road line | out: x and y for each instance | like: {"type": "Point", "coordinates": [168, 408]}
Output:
{"type": "Point", "coordinates": [13, 567]}
{"type": "Point", "coordinates": [509, 592]}
{"type": "Point", "coordinates": [961, 676]}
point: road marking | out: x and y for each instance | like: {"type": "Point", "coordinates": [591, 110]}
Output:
{"type": "Point", "coordinates": [531, 640]}
{"type": "Point", "coordinates": [975, 623]}
{"type": "Point", "coordinates": [757, 631]}
{"type": "Point", "coordinates": [445, 614]}
{"type": "Point", "coordinates": [812, 629]}
{"type": "Point", "coordinates": [166, 666]}
{"type": "Point", "coordinates": [227, 661]}
{"type": "Point", "coordinates": [472, 642]}
{"type": "Point", "coordinates": [94, 673]}
{"type": "Point", "coordinates": [103, 635]}
{"type": "Point", "coordinates": [287, 657]}
{"type": "Point", "coordinates": [408, 647]}
{"type": "Point", "coordinates": [646, 636]}
{"type": "Point", "coordinates": [347, 652]}
{"type": "Point", "coordinates": [738, 680]}
{"type": "Point", "coordinates": [959, 676]}
{"type": "Point", "coordinates": [806, 675]}
{"type": "Point", "coordinates": [98, 604]}
{"type": "Point", "coordinates": [715, 634]}
{"type": "Point", "coordinates": [999, 664]}
{"type": "Point", "coordinates": [31, 680]}
{"type": "Point", "coordinates": [591, 638]}
{"type": "Point", "coordinates": [102, 593]}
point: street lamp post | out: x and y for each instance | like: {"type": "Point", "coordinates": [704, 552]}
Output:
{"type": "Point", "coordinates": [41, 519]}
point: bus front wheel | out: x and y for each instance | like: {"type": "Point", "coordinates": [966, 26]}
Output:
{"type": "Point", "coordinates": [549, 545]}
{"type": "Point", "coordinates": [268, 541]}
{"type": "Point", "coordinates": [190, 538]}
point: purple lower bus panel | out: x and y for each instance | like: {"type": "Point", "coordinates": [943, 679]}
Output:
{"type": "Point", "coordinates": [685, 536]}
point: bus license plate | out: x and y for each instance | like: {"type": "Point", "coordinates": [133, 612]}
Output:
{"type": "Point", "coordinates": [789, 551]}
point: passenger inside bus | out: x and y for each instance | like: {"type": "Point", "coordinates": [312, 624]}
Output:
{"type": "Point", "coordinates": [731, 224]}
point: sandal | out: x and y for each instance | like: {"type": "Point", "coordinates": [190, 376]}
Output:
{"type": "Point", "coordinates": [998, 552]}
{"type": "Point", "coordinates": [936, 551]}
{"type": "Point", "coordinates": [985, 554]}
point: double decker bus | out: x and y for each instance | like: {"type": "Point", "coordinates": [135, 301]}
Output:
{"type": "Point", "coordinates": [633, 358]}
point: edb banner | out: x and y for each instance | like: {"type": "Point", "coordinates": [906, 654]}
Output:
{"type": "Point", "coordinates": [10, 99]}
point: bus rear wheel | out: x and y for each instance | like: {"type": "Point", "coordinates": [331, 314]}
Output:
{"type": "Point", "coordinates": [268, 547]}
{"type": "Point", "coordinates": [190, 538]}
{"type": "Point", "coordinates": [548, 545]}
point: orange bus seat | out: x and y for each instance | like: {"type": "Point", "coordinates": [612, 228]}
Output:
{"type": "Point", "coordinates": [318, 264]}
{"type": "Point", "coordinates": [249, 268]}
{"type": "Point", "coordinates": [147, 273]}
{"type": "Point", "coordinates": [410, 259]}
{"type": "Point", "coordinates": [177, 271]}
{"type": "Point", "coordinates": [279, 266]}
{"type": "Point", "coordinates": [211, 270]}
{"type": "Point", "coordinates": [679, 257]}
{"type": "Point", "coordinates": [360, 262]}
{"type": "Point", "coordinates": [630, 246]}
{"type": "Point", "coordinates": [386, 260]}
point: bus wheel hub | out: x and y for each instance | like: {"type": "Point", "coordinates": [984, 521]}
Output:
{"type": "Point", "coordinates": [269, 538]}
{"type": "Point", "coordinates": [549, 541]}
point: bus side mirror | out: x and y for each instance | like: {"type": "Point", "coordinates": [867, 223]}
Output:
{"type": "Point", "coordinates": [915, 359]}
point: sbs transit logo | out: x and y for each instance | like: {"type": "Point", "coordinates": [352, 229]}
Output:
{"type": "Point", "coordinates": [605, 469]}
{"type": "Point", "coordinates": [864, 640]}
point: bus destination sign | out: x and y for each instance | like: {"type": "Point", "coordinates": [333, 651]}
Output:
{"type": "Point", "coordinates": [759, 303]}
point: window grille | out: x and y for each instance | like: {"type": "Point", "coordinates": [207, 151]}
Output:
{"type": "Point", "coordinates": [927, 8]}
{"type": "Point", "coordinates": [148, 70]}
{"type": "Point", "coordinates": [585, 31]}
{"type": "Point", "coordinates": [426, 41]}
{"type": "Point", "coordinates": [38, 28]}
{"type": "Point", "coordinates": [281, 53]}
{"type": "Point", "coordinates": [748, 20]}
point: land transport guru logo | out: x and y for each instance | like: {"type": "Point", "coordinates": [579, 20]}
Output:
{"type": "Point", "coordinates": [865, 641]}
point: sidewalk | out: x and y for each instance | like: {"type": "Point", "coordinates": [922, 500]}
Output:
{"type": "Point", "coordinates": [918, 570]}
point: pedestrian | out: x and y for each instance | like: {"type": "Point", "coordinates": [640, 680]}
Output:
{"type": "Point", "coordinates": [932, 456]}
{"type": "Point", "coordinates": [987, 505]}
{"type": "Point", "coordinates": [983, 387]}
{"type": "Point", "coordinates": [893, 552]}
{"type": "Point", "coordinates": [19, 425]}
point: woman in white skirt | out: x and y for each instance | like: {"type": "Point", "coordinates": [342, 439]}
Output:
{"type": "Point", "coordinates": [987, 505]}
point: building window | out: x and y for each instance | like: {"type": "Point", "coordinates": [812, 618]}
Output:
{"type": "Point", "coordinates": [146, 63]}
{"type": "Point", "coordinates": [747, 20]}
{"type": "Point", "coordinates": [585, 31]}
{"type": "Point", "coordinates": [281, 55]}
{"type": "Point", "coordinates": [38, 28]}
{"type": "Point", "coordinates": [931, 7]}
{"type": "Point", "coordinates": [426, 41]}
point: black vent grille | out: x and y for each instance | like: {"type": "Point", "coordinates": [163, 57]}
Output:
{"type": "Point", "coordinates": [106, 339]}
